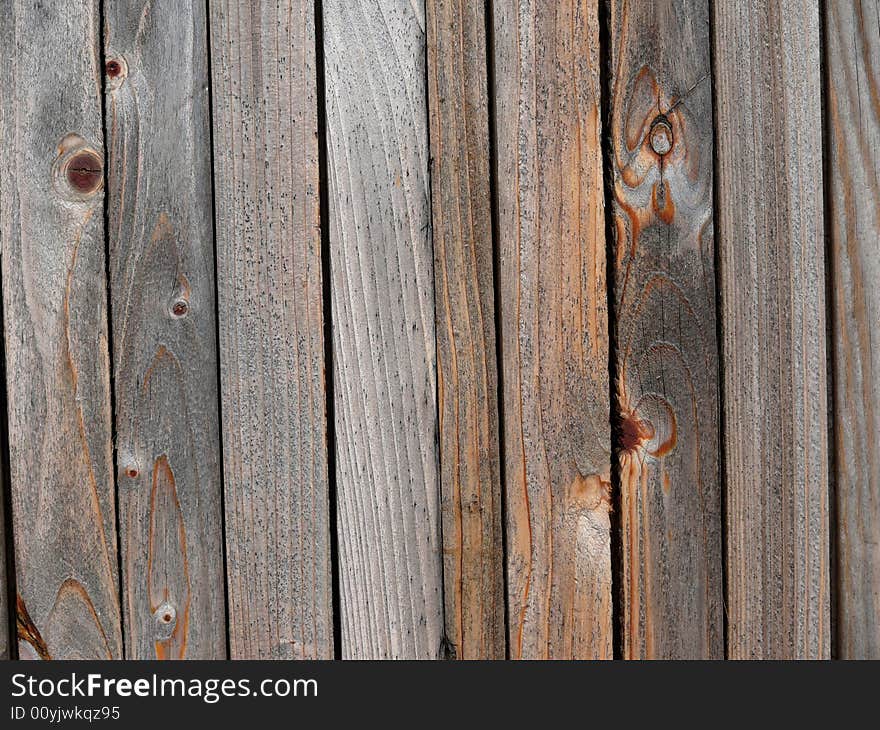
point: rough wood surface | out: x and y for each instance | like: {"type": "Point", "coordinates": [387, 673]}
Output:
{"type": "Point", "coordinates": [55, 311]}
{"type": "Point", "coordinates": [5, 644]}
{"type": "Point", "coordinates": [667, 393]}
{"type": "Point", "coordinates": [473, 568]}
{"type": "Point", "coordinates": [161, 247]}
{"type": "Point", "coordinates": [383, 329]}
{"type": "Point", "coordinates": [553, 304]}
{"type": "Point", "coordinates": [770, 231]}
{"type": "Point", "coordinates": [852, 43]}
{"type": "Point", "coordinates": [271, 329]}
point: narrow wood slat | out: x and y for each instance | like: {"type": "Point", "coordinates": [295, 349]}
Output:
{"type": "Point", "coordinates": [271, 329]}
{"type": "Point", "coordinates": [554, 331]}
{"type": "Point", "coordinates": [55, 310]}
{"type": "Point", "coordinates": [473, 568]}
{"type": "Point", "coordinates": [383, 329]}
{"type": "Point", "coordinates": [164, 329]}
{"type": "Point", "coordinates": [5, 644]}
{"type": "Point", "coordinates": [667, 392]}
{"type": "Point", "coordinates": [770, 230]}
{"type": "Point", "coordinates": [852, 43]}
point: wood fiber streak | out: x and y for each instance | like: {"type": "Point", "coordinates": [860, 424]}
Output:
{"type": "Point", "coordinates": [271, 329]}
{"type": "Point", "coordinates": [852, 43]}
{"type": "Point", "coordinates": [473, 567]}
{"type": "Point", "coordinates": [667, 392]}
{"type": "Point", "coordinates": [5, 608]}
{"type": "Point", "coordinates": [383, 329]}
{"type": "Point", "coordinates": [770, 237]}
{"type": "Point", "coordinates": [55, 310]}
{"type": "Point", "coordinates": [554, 330]}
{"type": "Point", "coordinates": [164, 328]}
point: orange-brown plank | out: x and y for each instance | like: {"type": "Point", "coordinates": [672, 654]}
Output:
{"type": "Point", "coordinates": [554, 331]}
{"type": "Point", "coordinates": [667, 392]}
{"type": "Point", "coordinates": [470, 479]}
{"type": "Point", "coordinates": [852, 45]}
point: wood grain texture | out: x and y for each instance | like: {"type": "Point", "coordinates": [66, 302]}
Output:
{"type": "Point", "coordinates": [770, 231]}
{"type": "Point", "coordinates": [164, 329]}
{"type": "Point", "coordinates": [5, 644]}
{"type": "Point", "coordinates": [55, 302]}
{"type": "Point", "coordinates": [667, 392]}
{"type": "Point", "coordinates": [852, 43]}
{"type": "Point", "coordinates": [473, 567]}
{"type": "Point", "coordinates": [271, 329]}
{"type": "Point", "coordinates": [554, 330]}
{"type": "Point", "coordinates": [383, 329]}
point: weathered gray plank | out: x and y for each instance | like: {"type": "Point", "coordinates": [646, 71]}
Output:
{"type": "Point", "coordinates": [54, 296]}
{"type": "Point", "coordinates": [554, 330]}
{"type": "Point", "coordinates": [164, 330]}
{"type": "Point", "coordinates": [271, 329]}
{"type": "Point", "coordinates": [664, 288]}
{"type": "Point", "coordinates": [852, 43]}
{"type": "Point", "coordinates": [770, 230]}
{"type": "Point", "coordinates": [473, 568]}
{"type": "Point", "coordinates": [383, 329]}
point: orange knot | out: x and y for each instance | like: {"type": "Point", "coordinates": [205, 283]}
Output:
{"type": "Point", "coordinates": [633, 432]}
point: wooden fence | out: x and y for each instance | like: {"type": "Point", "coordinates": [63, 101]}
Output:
{"type": "Point", "coordinates": [391, 329]}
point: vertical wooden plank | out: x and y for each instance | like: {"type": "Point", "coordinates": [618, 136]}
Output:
{"type": "Point", "coordinates": [164, 329]}
{"type": "Point", "coordinates": [770, 230]}
{"type": "Point", "coordinates": [554, 329]}
{"type": "Point", "coordinates": [54, 296]}
{"type": "Point", "coordinates": [667, 392]}
{"type": "Point", "coordinates": [4, 593]}
{"type": "Point", "coordinates": [383, 329]}
{"type": "Point", "coordinates": [271, 329]}
{"type": "Point", "coordinates": [473, 569]}
{"type": "Point", "coordinates": [852, 43]}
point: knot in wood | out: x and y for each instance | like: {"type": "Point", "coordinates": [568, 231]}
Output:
{"type": "Point", "coordinates": [179, 308]}
{"type": "Point", "coordinates": [84, 172]}
{"type": "Point", "coordinates": [164, 620]}
{"type": "Point", "coordinates": [116, 70]}
{"type": "Point", "coordinates": [634, 431]}
{"type": "Point", "coordinates": [661, 136]}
